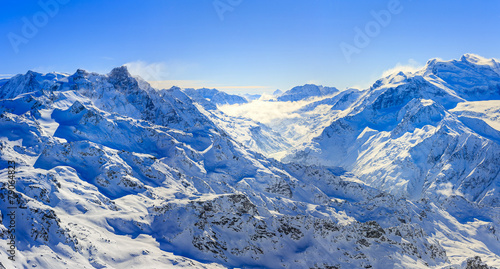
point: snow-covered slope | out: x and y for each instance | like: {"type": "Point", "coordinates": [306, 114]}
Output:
{"type": "Point", "coordinates": [409, 134]}
{"type": "Point", "coordinates": [111, 173]}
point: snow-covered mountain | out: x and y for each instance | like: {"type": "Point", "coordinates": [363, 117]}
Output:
{"type": "Point", "coordinates": [111, 173]}
{"type": "Point", "coordinates": [404, 136]}
{"type": "Point", "coordinates": [252, 97]}
{"type": "Point", "coordinates": [215, 96]}
{"type": "Point", "coordinates": [277, 92]}
{"type": "Point", "coordinates": [252, 134]}
{"type": "Point", "coordinates": [307, 91]}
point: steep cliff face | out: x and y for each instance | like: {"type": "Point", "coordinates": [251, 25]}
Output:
{"type": "Point", "coordinates": [111, 173]}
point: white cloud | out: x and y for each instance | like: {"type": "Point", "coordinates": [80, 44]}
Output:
{"type": "Point", "coordinates": [265, 111]}
{"type": "Point", "coordinates": [148, 71]}
{"type": "Point", "coordinates": [411, 66]}
{"type": "Point", "coordinates": [161, 71]}
{"type": "Point", "coordinates": [160, 74]}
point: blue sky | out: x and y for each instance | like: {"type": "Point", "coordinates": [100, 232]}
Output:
{"type": "Point", "coordinates": [240, 46]}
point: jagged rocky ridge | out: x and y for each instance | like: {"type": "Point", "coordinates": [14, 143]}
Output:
{"type": "Point", "coordinates": [114, 173]}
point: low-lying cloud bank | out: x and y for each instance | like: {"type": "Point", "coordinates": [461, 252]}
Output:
{"type": "Point", "coordinates": [265, 110]}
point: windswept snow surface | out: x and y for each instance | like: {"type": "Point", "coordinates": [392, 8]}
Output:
{"type": "Point", "coordinates": [111, 173]}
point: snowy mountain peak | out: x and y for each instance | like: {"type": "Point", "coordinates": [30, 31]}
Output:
{"type": "Point", "coordinates": [119, 72]}
{"type": "Point", "coordinates": [447, 82]}
{"type": "Point", "coordinates": [306, 91]}
{"type": "Point", "coordinates": [174, 89]}
{"type": "Point", "coordinates": [476, 59]}
{"type": "Point", "coordinates": [472, 77]}
{"type": "Point", "coordinates": [29, 82]}
{"type": "Point", "coordinates": [215, 97]}
{"type": "Point", "coordinates": [397, 77]}
{"type": "Point", "coordinates": [81, 73]}
{"type": "Point", "coordinates": [467, 62]}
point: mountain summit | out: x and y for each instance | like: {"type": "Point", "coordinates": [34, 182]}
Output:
{"type": "Point", "coordinates": [307, 91]}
